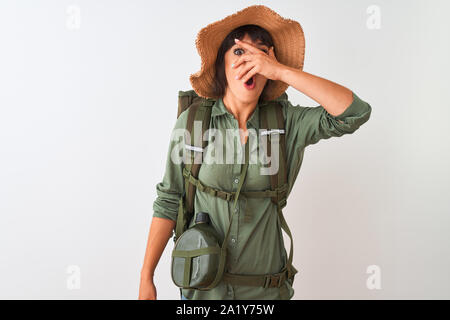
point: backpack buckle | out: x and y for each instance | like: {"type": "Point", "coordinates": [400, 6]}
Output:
{"type": "Point", "coordinates": [223, 195]}
{"type": "Point", "coordinates": [282, 195]}
{"type": "Point", "coordinates": [273, 281]}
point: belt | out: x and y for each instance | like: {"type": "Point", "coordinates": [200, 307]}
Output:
{"type": "Point", "coordinates": [264, 280]}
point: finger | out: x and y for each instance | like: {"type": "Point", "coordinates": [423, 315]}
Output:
{"type": "Point", "coordinates": [245, 68]}
{"type": "Point", "coordinates": [272, 52]}
{"type": "Point", "coordinates": [250, 74]}
{"type": "Point", "coordinates": [246, 45]}
{"type": "Point", "coordinates": [243, 58]}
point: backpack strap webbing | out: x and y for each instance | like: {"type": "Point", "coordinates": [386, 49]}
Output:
{"type": "Point", "coordinates": [272, 125]}
{"type": "Point", "coordinates": [186, 99]}
{"type": "Point", "coordinates": [197, 123]}
{"type": "Point", "coordinates": [198, 120]}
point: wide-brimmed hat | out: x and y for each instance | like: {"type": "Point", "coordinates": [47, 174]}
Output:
{"type": "Point", "coordinates": [287, 35]}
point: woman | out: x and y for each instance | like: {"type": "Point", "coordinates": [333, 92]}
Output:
{"type": "Point", "coordinates": [246, 72]}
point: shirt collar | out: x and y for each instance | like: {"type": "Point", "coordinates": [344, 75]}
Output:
{"type": "Point", "coordinates": [220, 109]}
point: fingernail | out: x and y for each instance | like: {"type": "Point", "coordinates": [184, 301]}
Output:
{"type": "Point", "coordinates": [232, 65]}
{"type": "Point", "coordinates": [236, 39]}
{"type": "Point", "coordinates": [236, 77]}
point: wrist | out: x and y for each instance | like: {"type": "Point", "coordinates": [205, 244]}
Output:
{"type": "Point", "coordinates": [281, 74]}
{"type": "Point", "coordinates": [147, 275]}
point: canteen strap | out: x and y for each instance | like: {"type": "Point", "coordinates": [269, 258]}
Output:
{"type": "Point", "coordinates": [223, 249]}
{"type": "Point", "coordinates": [188, 255]}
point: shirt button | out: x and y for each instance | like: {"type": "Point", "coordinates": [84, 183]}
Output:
{"type": "Point", "coordinates": [236, 180]}
{"type": "Point", "coordinates": [236, 210]}
{"type": "Point", "coordinates": [233, 240]}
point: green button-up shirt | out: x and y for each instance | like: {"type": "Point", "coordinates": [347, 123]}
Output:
{"type": "Point", "coordinates": [255, 243]}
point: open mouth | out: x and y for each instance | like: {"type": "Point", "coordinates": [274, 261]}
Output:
{"type": "Point", "coordinates": [250, 83]}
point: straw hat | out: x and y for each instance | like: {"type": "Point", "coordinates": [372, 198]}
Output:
{"type": "Point", "coordinates": [287, 35]}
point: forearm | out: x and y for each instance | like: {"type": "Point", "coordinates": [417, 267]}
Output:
{"type": "Point", "coordinates": [160, 232]}
{"type": "Point", "coordinates": [332, 96]}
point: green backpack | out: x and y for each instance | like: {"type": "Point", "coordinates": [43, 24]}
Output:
{"type": "Point", "coordinates": [272, 121]}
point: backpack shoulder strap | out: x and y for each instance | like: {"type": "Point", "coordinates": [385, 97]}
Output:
{"type": "Point", "coordinates": [189, 98]}
{"type": "Point", "coordinates": [198, 120]}
{"type": "Point", "coordinates": [185, 100]}
{"type": "Point", "coordinates": [273, 125]}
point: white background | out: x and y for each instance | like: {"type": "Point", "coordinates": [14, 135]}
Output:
{"type": "Point", "coordinates": [88, 98]}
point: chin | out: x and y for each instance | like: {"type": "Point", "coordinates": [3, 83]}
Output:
{"type": "Point", "coordinates": [249, 96]}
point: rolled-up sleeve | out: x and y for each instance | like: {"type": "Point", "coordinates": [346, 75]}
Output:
{"type": "Point", "coordinates": [312, 124]}
{"type": "Point", "coordinates": [171, 188]}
